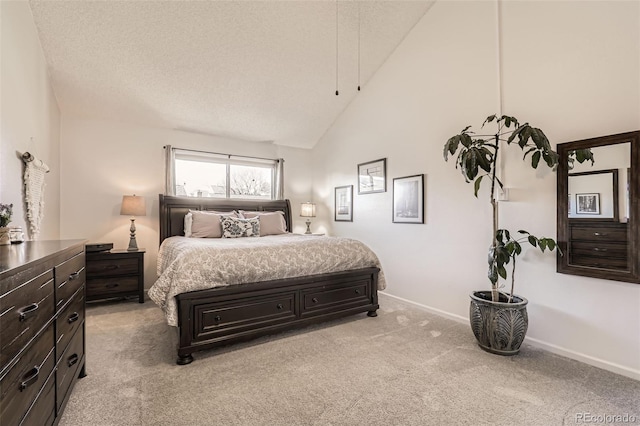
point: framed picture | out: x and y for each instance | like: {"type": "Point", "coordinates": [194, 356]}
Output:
{"type": "Point", "coordinates": [588, 203]}
{"type": "Point", "coordinates": [344, 203]}
{"type": "Point", "coordinates": [408, 199]}
{"type": "Point", "coordinates": [372, 177]}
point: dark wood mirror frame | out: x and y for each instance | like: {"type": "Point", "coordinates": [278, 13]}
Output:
{"type": "Point", "coordinates": [610, 268]}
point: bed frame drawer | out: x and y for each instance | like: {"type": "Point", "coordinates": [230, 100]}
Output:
{"type": "Point", "coordinates": [224, 317]}
{"type": "Point", "coordinates": [23, 313]}
{"type": "Point", "coordinates": [330, 298]}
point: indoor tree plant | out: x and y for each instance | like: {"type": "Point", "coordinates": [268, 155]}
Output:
{"type": "Point", "coordinates": [499, 318]}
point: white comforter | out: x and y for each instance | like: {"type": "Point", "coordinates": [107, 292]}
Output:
{"type": "Point", "coordinates": [188, 264]}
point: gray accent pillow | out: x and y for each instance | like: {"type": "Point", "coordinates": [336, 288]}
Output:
{"type": "Point", "coordinates": [233, 227]}
{"type": "Point", "coordinates": [271, 223]}
{"type": "Point", "coordinates": [205, 224]}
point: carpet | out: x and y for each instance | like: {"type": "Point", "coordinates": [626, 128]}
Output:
{"type": "Point", "coordinates": [405, 367]}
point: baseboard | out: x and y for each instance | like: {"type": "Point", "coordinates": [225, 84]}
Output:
{"type": "Point", "coordinates": [558, 350]}
{"type": "Point", "coordinates": [587, 359]}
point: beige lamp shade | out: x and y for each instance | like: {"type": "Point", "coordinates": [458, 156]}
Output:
{"type": "Point", "coordinates": [308, 210]}
{"type": "Point", "coordinates": [133, 205]}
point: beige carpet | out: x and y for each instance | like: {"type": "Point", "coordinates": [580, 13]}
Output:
{"type": "Point", "coordinates": [405, 367]}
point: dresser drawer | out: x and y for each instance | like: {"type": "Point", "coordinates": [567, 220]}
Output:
{"type": "Point", "coordinates": [113, 266]}
{"type": "Point", "coordinates": [599, 233]}
{"type": "Point", "coordinates": [68, 366]}
{"type": "Point", "coordinates": [20, 386]}
{"type": "Point", "coordinates": [69, 321]}
{"type": "Point", "coordinates": [110, 287]}
{"type": "Point", "coordinates": [43, 410]}
{"type": "Point", "coordinates": [221, 317]}
{"type": "Point", "coordinates": [23, 313]}
{"type": "Point", "coordinates": [70, 276]}
{"type": "Point", "coordinates": [320, 299]}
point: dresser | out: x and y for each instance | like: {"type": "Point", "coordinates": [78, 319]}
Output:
{"type": "Point", "coordinates": [42, 332]}
{"type": "Point", "coordinates": [599, 244]}
{"type": "Point", "coordinates": [115, 274]}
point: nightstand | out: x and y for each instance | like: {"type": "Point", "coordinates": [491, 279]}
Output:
{"type": "Point", "coordinates": [115, 273]}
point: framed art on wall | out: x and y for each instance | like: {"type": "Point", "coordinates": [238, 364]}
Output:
{"type": "Point", "coordinates": [372, 177]}
{"type": "Point", "coordinates": [344, 203]}
{"type": "Point", "coordinates": [408, 199]}
{"type": "Point", "coordinates": [588, 203]}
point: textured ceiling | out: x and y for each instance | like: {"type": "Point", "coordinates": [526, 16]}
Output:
{"type": "Point", "coordinates": [249, 70]}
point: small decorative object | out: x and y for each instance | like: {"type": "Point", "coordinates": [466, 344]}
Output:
{"type": "Point", "coordinates": [308, 209]}
{"type": "Point", "coordinates": [344, 203]}
{"type": "Point", "coordinates": [499, 318]}
{"type": "Point", "coordinates": [372, 177]}
{"type": "Point", "coordinates": [6, 210]}
{"type": "Point", "coordinates": [133, 205]}
{"type": "Point", "coordinates": [408, 199]}
{"type": "Point", "coordinates": [588, 203]}
{"type": "Point", "coordinates": [16, 235]}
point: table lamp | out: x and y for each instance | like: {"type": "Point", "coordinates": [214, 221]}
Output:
{"type": "Point", "coordinates": [133, 205]}
{"type": "Point", "coordinates": [308, 209]}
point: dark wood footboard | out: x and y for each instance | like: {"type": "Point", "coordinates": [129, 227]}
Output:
{"type": "Point", "coordinates": [215, 317]}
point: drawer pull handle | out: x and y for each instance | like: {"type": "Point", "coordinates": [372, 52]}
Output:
{"type": "Point", "coordinates": [73, 317]}
{"type": "Point", "coordinates": [30, 378]}
{"type": "Point", "coordinates": [217, 318]}
{"type": "Point", "coordinates": [279, 306]}
{"type": "Point", "coordinates": [74, 276]}
{"type": "Point", "coordinates": [357, 291]}
{"type": "Point", "coordinates": [599, 249]}
{"type": "Point", "coordinates": [314, 300]}
{"type": "Point", "coordinates": [600, 234]}
{"type": "Point", "coordinates": [28, 310]}
{"type": "Point", "coordinates": [72, 359]}
{"type": "Point", "coordinates": [112, 285]}
{"type": "Point", "coordinates": [111, 267]}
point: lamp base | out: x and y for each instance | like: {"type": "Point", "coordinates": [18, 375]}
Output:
{"type": "Point", "coordinates": [308, 222]}
{"type": "Point", "coordinates": [133, 245]}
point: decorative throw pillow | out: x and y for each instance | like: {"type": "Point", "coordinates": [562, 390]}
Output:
{"type": "Point", "coordinates": [233, 227]}
{"type": "Point", "coordinates": [206, 224]}
{"type": "Point", "coordinates": [271, 223]}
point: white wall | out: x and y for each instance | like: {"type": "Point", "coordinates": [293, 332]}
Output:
{"type": "Point", "coordinates": [103, 160]}
{"type": "Point", "coordinates": [30, 117]}
{"type": "Point", "coordinates": [570, 68]}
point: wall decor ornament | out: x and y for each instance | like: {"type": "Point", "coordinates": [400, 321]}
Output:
{"type": "Point", "coordinates": [343, 203]}
{"type": "Point", "coordinates": [372, 177]}
{"type": "Point", "coordinates": [408, 199]}
{"type": "Point", "coordinates": [34, 173]}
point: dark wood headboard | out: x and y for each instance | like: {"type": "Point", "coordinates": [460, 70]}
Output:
{"type": "Point", "coordinates": [173, 209]}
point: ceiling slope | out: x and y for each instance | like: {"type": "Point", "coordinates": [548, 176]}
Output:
{"type": "Point", "coordinates": [249, 70]}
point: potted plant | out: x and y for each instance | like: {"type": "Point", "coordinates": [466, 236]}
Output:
{"type": "Point", "coordinates": [499, 318]}
{"type": "Point", "coordinates": [6, 210]}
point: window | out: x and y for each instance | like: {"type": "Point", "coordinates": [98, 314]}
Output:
{"type": "Point", "coordinates": [204, 174]}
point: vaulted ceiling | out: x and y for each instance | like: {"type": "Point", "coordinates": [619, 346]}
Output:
{"type": "Point", "coordinates": [247, 70]}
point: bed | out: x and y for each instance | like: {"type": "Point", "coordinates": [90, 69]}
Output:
{"type": "Point", "coordinates": [207, 318]}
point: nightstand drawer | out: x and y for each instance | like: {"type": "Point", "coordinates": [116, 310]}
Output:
{"type": "Point", "coordinates": [110, 267]}
{"type": "Point", "coordinates": [23, 313]}
{"type": "Point", "coordinates": [107, 287]}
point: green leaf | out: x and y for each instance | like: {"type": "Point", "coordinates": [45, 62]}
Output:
{"type": "Point", "coordinates": [507, 121]}
{"type": "Point", "coordinates": [535, 159]}
{"type": "Point", "coordinates": [502, 272]}
{"type": "Point", "coordinates": [543, 244]}
{"type": "Point", "coordinates": [522, 231]}
{"type": "Point", "coordinates": [476, 186]}
{"type": "Point", "coordinates": [518, 249]}
{"type": "Point", "coordinates": [532, 240]}
{"type": "Point", "coordinates": [551, 244]}
{"type": "Point", "coordinates": [466, 140]}
{"type": "Point", "coordinates": [489, 119]}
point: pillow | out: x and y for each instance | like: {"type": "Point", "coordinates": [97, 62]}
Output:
{"type": "Point", "coordinates": [233, 227]}
{"type": "Point", "coordinates": [206, 224]}
{"type": "Point", "coordinates": [271, 223]}
{"type": "Point", "coordinates": [188, 221]}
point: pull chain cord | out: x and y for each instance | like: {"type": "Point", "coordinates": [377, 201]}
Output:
{"type": "Point", "coordinates": [359, 46]}
{"type": "Point", "coordinates": [337, 93]}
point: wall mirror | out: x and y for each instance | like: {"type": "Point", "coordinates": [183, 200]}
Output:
{"type": "Point", "coordinates": [598, 209]}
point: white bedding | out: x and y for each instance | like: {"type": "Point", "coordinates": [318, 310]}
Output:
{"type": "Point", "coordinates": [189, 264]}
